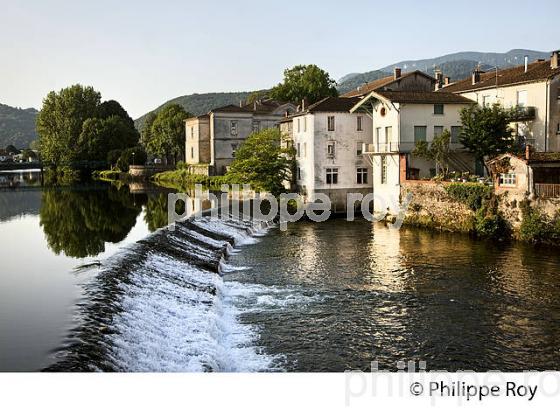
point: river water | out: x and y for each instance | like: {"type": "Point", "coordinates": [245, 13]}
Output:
{"type": "Point", "coordinates": [89, 282]}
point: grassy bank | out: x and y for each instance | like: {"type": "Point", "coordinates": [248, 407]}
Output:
{"type": "Point", "coordinates": [181, 179]}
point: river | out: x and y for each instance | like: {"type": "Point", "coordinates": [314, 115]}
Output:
{"type": "Point", "coordinates": [88, 281]}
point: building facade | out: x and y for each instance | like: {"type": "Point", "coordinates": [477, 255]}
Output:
{"type": "Point", "coordinates": [399, 120]}
{"type": "Point", "coordinates": [533, 87]}
{"type": "Point", "coordinates": [212, 139]}
{"type": "Point", "coordinates": [328, 142]}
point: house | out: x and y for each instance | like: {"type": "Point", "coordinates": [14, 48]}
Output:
{"type": "Point", "coordinates": [5, 156]}
{"type": "Point", "coordinates": [211, 139]}
{"type": "Point", "coordinates": [533, 174]}
{"type": "Point", "coordinates": [328, 141]}
{"type": "Point", "coordinates": [399, 119]}
{"type": "Point", "coordinates": [533, 87]}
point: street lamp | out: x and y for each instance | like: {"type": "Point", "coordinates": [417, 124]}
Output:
{"type": "Point", "coordinates": [133, 158]}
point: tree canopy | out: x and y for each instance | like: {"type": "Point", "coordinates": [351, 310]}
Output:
{"type": "Point", "coordinates": [304, 82]}
{"type": "Point", "coordinates": [437, 151]}
{"type": "Point", "coordinates": [261, 162]}
{"type": "Point", "coordinates": [486, 131]}
{"type": "Point", "coordinates": [165, 137]}
{"type": "Point", "coordinates": [74, 125]}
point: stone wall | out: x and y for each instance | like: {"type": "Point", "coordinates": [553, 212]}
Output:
{"type": "Point", "coordinates": [431, 207]}
{"type": "Point", "coordinates": [146, 171]}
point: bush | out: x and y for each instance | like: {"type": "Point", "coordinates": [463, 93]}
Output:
{"type": "Point", "coordinates": [181, 165]}
{"type": "Point", "coordinates": [535, 227]}
{"type": "Point", "coordinates": [469, 193]}
{"type": "Point", "coordinates": [131, 156]}
{"type": "Point", "coordinates": [113, 157]}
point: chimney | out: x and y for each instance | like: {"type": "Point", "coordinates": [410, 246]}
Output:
{"type": "Point", "coordinates": [476, 75]}
{"type": "Point", "coordinates": [554, 60]}
{"type": "Point", "coordinates": [439, 79]}
{"type": "Point", "coordinates": [241, 103]}
{"type": "Point", "coordinates": [396, 73]}
{"type": "Point", "coordinates": [304, 104]}
{"type": "Point", "coordinates": [527, 152]}
{"type": "Point", "coordinates": [526, 58]}
{"type": "Point", "coordinates": [446, 81]}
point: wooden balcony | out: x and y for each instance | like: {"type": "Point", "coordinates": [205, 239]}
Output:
{"type": "Point", "coordinates": [547, 190]}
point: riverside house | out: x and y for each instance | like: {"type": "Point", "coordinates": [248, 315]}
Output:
{"type": "Point", "coordinates": [532, 87]}
{"type": "Point", "coordinates": [399, 119]}
{"type": "Point", "coordinates": [211, 139]}
{"type": "Point", "coordinates": [328, 141]}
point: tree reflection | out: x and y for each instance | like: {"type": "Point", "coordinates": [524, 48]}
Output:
{"type": "Point", "coordinates": [156, 211]}
{"type": "Point", "coordinates": [80, 222]}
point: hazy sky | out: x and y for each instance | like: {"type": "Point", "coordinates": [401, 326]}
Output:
{"type": "Point", "coordinates": [143, 53]}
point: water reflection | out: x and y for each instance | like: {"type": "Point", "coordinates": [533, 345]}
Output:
{"type": "Point", "coordinates": [80, 222]}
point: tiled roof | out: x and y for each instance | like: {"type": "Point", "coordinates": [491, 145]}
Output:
{"type": "Point", "coordinates": [544, 157]}
{"type": "Point", "coordinates": [334, 104]}
{"type": "Point", "coordinates": [231, 108]}
{"type": "Point", "coordinates": [424, 97]}
{"type": "Point", "coordinates": [380, 83]}
{"type": "Point", "coordinates": [536, 71]}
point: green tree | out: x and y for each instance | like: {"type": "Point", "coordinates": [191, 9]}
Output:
{"type": "Point", "coordinates": [437, 151]}
{"type": "Point", "coordinates": [167, 133]}
{"type": "Point", "coordinates": [131, 156]}
{"type": "Point", "coordinates": [146, 132]}
{"type": "Point", "coordinates": [486, 131]}
{"type": "Point", "coordinates": [59, 123]}
{"type": "Point", "coordinates": [261, 162]}
{"type": "Point", "coordinates": [101, 136]}
{"type": "Point", "coordinates": [304, 82]}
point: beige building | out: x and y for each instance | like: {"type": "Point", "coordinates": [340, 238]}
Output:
{"type": "Point", "coordinates": [533, 87]}
{"type": "Point", "coordinates": [212, 139]}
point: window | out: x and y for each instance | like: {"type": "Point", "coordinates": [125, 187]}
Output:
{"type": "Point", "coordinates": [299, 173]}
{"type": "Point", "coordinates": [332, 176]}
{"type": "Point", "coordinates": [438, 109]}
{"type": "Point", "coordinates": [486, 100]}
{"type": "Point", "coordinates": [192, 152]}
{"type": "Point", "coordinates": [359, 146]}
{"type": "Point", "coordinates": [378, 135]}
{"type": "Point", "coordinates": [330, 150]}
{"type": "Point", "coordinates": [298, 149]}
{"type": "Point", "coordinates": [455, 134]}
{"type": "Point", "coordinates": [330, 122]}
{"type": "Point", "coordinates": [522, 98]}
{"type": "Point", "coordinates": [438, 130]}
{"type": "Point", "coordinates": [256, 126]}
{"type": "Point", "coordinates": [383, 169]}
{"type": "Point", "coordinates": [298, 125]}
{"type": "Point", "coordinates": [419, 133]}
{"type": "Point", "coordinates": [388, 133]}
{"type": "Point", "coordinates": [558, 128]}
{"type": "Point", "coordinates": [192, 132]}
{"type": "Point", "coordinates": [233, 149]}
{"type": "Point", "coordinates": [304, 124]}
{"type": "Point", "coordinates": [233, 127]}
{"type": "Point", "coordinates": [361, 175]}
{"type": "Point", "coordinates": [508, 179]}
{"type": "Point", "coordinates": [359, 123]}
{"type": "Point", "coordinates": [305, 150]}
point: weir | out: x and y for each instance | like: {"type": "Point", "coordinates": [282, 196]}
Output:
{"type": "Point", "coordinates": [159, 305]}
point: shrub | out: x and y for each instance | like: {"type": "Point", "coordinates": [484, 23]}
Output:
{"type": "Point", "coordinates": [535, 227]}
{"type": "Point", "coordinates": [181, 165]}
{"type": "Point", "coordinates": [130, 156]}
{"type": "Point", "coordinates": [469, 193]}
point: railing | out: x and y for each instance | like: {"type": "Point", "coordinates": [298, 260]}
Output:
{"type": "Point", "coordinates": [387, 147]}
{"type": "Point", "coordinates": [547, 190]}
{"type": "Point", "coordinates": [524, 113]}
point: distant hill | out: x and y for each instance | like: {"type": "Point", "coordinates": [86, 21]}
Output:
{"type": "Point", "coordinates": [198, 104]}
{"type": "Point", "coordinates": [456, 65]}
{"type": "Point", "coordinates": [17, 126]}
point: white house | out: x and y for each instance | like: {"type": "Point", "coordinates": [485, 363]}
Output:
{"type": "Point", "coordinates": [534, 87]}
{"type": "Point", "coordinates": [328, 140]}
{"type": "Point", "coordinates": [398, 120]}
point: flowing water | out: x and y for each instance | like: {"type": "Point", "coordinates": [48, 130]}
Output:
{"type": "Point", "coordinates": [89, 282]}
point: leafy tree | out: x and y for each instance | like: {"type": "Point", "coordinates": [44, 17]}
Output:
{"type": "Point", "coordinates": [146, 132]}
{"type": "Point", "coordinates": [59, 123]}
{"type": "Point", "coordinates": [304, 81]}
{"type": "Point", "coordinates": [437, 151]}
{"type": "Point", "coordinates": [261, 162]}
{"type": "Point", "coordinates": [100, 136]}
{"type": "Point", "coordinates": [167, 133]}
{"type": "Point", "coordinates": [112, 108]}
{"type": "Point", "coordinates": [486, 131]}
{"type": "Point", "coordinates": [27, 154]}
{"type": "Point", "coordinates": [131, 156]}
{"type": "Point", "coordinates": [256, 95]}
{"type": "Point", "coordinates": [10, 149]}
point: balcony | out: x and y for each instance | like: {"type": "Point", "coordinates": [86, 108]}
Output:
{"type": "Point", "coordinates": [547, 190]}
{"type": "Point", "coordinates": [521, 113]}
{"type": "Point", "coordinates": [387, 148]}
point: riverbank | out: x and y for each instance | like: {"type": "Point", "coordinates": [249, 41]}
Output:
{"type": "Point", "coordinates": [477, 210]}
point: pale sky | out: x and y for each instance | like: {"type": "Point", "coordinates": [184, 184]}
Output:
{"type": "Point", "coordinates": [143, 53]}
